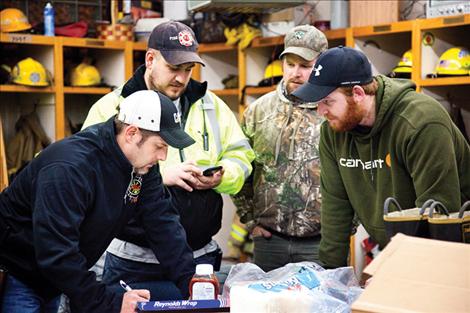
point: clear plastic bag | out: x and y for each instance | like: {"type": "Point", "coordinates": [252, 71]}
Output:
{"type": "Point", "coordinates": [296, 287]}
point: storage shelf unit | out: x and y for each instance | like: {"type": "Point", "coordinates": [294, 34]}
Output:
{"type": "Point", "coordinates": [446, 32]}
{"type": "Point", "coordinates": [384, 45]}
{"type": "Point", "coordinates": [221, 60]}
{"type": "Point", "coordinates": [118, 60]}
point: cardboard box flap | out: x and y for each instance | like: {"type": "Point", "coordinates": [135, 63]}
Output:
{"type": "Point", "coordinates": [418, 275]}
{"type": "Point", "coordinates": [392, 246]}
{"type": "Point", "coordinates": [399, 296]}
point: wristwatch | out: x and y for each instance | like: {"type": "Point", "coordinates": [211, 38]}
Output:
{"type": "Point", "coordinates": [250, 225]}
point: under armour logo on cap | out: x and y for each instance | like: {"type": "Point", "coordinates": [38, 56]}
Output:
{"type": "Point", "coordinates": [340, 67]}
{"type": "Point", "coordinates": [317, 70]}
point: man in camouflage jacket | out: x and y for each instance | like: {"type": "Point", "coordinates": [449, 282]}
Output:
{"type": "Point", "coordinates": [281, 203]}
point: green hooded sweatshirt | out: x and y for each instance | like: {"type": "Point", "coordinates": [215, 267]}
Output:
{"type": "Point", "coordinates": [413, 153]}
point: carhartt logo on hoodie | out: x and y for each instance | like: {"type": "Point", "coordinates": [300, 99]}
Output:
{"type": "Point", "coordinates": [367, 165]}
{"type": "Point", "coordinates": [388, 160]}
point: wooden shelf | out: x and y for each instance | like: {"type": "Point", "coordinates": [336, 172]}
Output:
{"type": "Point", "coordinates": [225, 92]}
{"type": "Point", "coordinates": [445, 81]}
{"type": "Point", "coordinates": [397, 27]}
{"type": "Point", "coordinates": [335, 33]}
{"type": "Point", "coordinates": [259, 90]}
{"type": "Point", "coordinates": [87, 90]}
{"type": "Point", "coordinates": [21, 88]}
{"type": "Point", "coordinates": [139, 46]}
{"type": "Point", "coordinates": [26, 39]}
{"type": "Point", "coordinates": [259, 42]}
{"type": "Point", "coordinates": [215, 47]}
{"type": "Point", "coordinates": [447, 21]}
{"type": "Point", "coordinates": [93, 43]}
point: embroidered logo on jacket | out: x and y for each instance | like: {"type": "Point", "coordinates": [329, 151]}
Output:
{"type": "Point", "coordinates": [361, 164]}
{"type": "Point", "coordinates": [388, 160]}
{"type": "Point", "coordinates": [133, 190]}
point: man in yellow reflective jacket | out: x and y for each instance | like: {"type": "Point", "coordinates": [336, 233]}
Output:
{"type": "Point", "coordinates": [169, 61]}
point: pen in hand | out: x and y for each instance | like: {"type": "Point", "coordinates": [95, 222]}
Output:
{"type": "Point", "coordinates": [125, 286]}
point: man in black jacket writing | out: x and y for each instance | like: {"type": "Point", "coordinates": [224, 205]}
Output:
{"type": "Point", "coordinates": [66, 206]}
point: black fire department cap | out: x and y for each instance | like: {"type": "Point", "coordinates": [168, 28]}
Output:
{"type": "Point", "coordinates": [176, 42]}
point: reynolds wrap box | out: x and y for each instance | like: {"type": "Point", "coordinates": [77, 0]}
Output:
{"type": "Point", "coordinates": [175, 306]}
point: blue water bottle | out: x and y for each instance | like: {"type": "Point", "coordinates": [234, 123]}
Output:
{"type": "Point", "coordinates": [48, 20]}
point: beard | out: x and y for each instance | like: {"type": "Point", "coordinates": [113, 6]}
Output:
{"type": "Point", "coordinates": [350, 119]}
{"type": "Point", "coordinates": [168, 89]}
{"type": "Point", "coordinates": [292, 85]}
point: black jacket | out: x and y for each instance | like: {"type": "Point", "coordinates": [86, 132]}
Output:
{"type": "Point", "coordinates": [200, 210]}
{"type": "Point", "coordinates": [62, 211]}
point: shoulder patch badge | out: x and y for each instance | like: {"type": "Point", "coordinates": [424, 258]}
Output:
{"type": "Point", "coordinates": [133, 190]}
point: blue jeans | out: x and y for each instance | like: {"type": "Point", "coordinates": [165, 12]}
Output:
{"type": "Point", "coordinates": [19, 298]}
{"type": "Point", "coordinates": [152, 277]}
{"type": "Point", "coordinates": [276, 251]}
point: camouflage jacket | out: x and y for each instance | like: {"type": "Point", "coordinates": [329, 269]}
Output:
{"type": "Point", "coordinates": [284, 194]}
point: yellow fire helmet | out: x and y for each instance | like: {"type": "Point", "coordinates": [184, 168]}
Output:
{"type": "Point", "coordinates": [13, 20]}
{"type": "Point", "coordinates": [30, 72]}
{"type": "Point", "coordinates": [85, 75]}
{"type": "Point", "coordinates": [455, 61]}
{"type": "Point", "coordinates": [405, 64]}
{"type": "Point", "coordinates": [272, 74]}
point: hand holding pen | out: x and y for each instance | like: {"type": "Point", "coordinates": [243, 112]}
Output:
{"type": "Point", "coordinates": [125, 286]}
{"type": "Point", "coordinates": [131, 297]}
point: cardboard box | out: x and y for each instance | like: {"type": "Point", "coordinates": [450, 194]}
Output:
{"type": "Point", "coordinates": [418, 275]}
{"type": "Point", "coordinates": [283, 15]}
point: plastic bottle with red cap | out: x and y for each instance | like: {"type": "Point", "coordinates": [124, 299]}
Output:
{"type": "Point", "coordinates": [204, 285]}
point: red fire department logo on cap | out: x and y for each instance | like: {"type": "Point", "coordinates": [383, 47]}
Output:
{"type": "Point", "coordinates": [185, 38]}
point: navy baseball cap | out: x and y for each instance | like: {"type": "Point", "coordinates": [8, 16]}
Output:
{"type": "Point", "coordinates": [176, 42]}
{"type": "Point", "coordinates": [336, 67]}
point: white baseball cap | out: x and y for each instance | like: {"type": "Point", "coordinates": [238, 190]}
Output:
{"type": "Point", "coordinates": [151, 110]}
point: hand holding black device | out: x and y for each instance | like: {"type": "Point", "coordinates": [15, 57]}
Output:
{"type": "Point", "coordinates": [211, 170]}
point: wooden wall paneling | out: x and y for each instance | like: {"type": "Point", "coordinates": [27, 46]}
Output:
{"type": "Point", "coordinates": [372, 12]}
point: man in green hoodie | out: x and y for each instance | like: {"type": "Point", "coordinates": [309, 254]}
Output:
{"type": "Point", "coordinates": [382, 139]}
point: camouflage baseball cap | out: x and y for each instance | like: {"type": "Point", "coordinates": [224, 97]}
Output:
{"type": "Point", "coordinates": [306, 41]}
